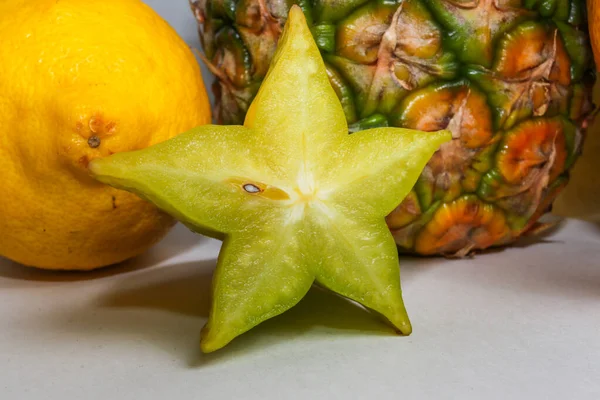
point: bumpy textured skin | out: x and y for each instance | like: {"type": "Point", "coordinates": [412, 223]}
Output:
{"type": "Point", "coordinates": [510, 78]}
{"type": "Point", "coordinates": [581, 198]}
{"type": "Point", "coordinates": [80, 80]}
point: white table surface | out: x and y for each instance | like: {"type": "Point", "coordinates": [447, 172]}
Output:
{"type": "Point", "coordinates": [522, 323]}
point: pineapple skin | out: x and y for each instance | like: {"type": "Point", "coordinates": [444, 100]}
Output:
{"type": "Point", "coordinates": [511, 79]}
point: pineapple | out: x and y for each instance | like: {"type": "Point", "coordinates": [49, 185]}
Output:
{"type": "Point", "coordinates": [511, 79]}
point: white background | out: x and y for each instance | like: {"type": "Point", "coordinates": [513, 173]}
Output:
{"type": "Point", "coordinates": [522, 323]}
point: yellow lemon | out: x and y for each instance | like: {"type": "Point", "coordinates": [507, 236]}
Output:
{"type": "Point", "coordinates": [82, 79]}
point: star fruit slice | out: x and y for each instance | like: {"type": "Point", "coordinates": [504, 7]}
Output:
{"type": "Point", "coordinates": [293, 196]}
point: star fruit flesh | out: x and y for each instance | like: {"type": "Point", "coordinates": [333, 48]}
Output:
{"type": "Point", "coordinates": [295, 199]}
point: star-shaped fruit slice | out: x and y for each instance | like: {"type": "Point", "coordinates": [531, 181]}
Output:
{"type": "Point", "coordinates": [294, 197]}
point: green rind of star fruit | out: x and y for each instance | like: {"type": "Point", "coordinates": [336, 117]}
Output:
{"type": "Point", "coordinates": [294, 197]}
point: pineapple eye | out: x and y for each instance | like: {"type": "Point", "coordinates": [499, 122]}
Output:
{"type": "Point", "coordinates": [250, 188]}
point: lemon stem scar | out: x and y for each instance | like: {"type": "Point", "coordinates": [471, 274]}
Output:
{"type": "Point", "coordinates": [94, 142]}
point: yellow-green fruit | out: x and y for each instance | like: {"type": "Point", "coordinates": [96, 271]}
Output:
{"type": "Point", "coordinates": [82, 79]}
{"type": "Point", "coordinates": [288, 216]}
